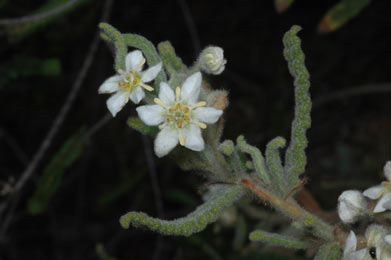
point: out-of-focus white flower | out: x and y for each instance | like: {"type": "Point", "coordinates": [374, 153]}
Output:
{"type": "Point", "coordinates": [212, 60]}
{"type": "Point", "coordinates": [351, 205]}
{"type": "Point", "coordinates": [382, 191]}
{"type": "Point", "coordinates": [180, 116]}
{"type": "Point", "coordinates": [350, 252]}
{"type": "Point", "coordinates": [378, 242]}
{"type": "Point", "coordinates": [129, 84]}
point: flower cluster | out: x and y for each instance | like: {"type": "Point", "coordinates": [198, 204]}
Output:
{"type": "Point", "coordinates": [180, 115]}
{"type": "Point", "coordinates": [352, 205]}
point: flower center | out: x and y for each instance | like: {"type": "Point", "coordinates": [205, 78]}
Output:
{"type": "Point", "coordinates": [387, 185]}
{"type": "Point", "coordinates": [131, 79]}
{"type": "Point", "coordinates": [179, 115]}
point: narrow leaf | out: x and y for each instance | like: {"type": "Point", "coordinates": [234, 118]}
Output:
{"type": "Point", "coordinates": [282, 5]}
{"type": "Point", "coordinates": [172, 63]}
{"type": "Point", "coordinates": [50, 180]}
{"type": "Point", "coordinates": [340, 14]}
{"type": "Point", "coordinates": [295, 157]}
{"type": "Point", "coordinates": [274, 165]}
{"type": "Point", "coordinates": [137, 124]}
{"type": "Point", "coordinates": [256, 156]}
{"type": "Point", "coordinates": [279, 240]}
{"type": "Point", "coordinates": [119, 44]}
{"type": "Point", "coordinates": [193, 222]}
{"type": "Point", "coordinates": [329, 251]}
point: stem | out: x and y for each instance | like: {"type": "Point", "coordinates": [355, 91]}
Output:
{"type": "Point", "coordinates": [318, 227]}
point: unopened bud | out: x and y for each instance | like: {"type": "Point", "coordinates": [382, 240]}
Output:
{"type": "Point", "coordinates": [351, 205]}
{"type": "Point", "coordinates": [221, 101]}
{"type": "Point", "coordinates": [212, 60]}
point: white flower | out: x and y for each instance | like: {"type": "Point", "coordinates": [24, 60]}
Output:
{"type": "Point", "coordinates": [212, 60]}
{"type": "Point", "coordinates": [378, 242]}
{"type": "Point", "coordinates": [129, 83]}
{"type": "Point", "coordinates": [351, 204]}
{"type": "Point", "coordinates": [350, 252]}
{"type": "Point", "coordinates": [382, 191]}
{"type": "Point", "coordinates": [180, 116]}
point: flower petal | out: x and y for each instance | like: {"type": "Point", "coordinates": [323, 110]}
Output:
{"type": "Point", "coordinates": [151, 114]}
{"type": "Point", "coordinates": [379, 206]}
{"type": "Point", "coordinates": [165, 141]}
{"type": "Point", "coordinates": [166, 94]}
{"type": "Point", "coordinates": [350, 244]}
{"type": "Point", "coordinates": [358, 255]}
{"type": "Point", "coordinates": [110, 85]}
{"type": "Point", "coordinates": [117, 101]}
{"type": "Point", "coordinates": [134, 61]}
{"type": "Point", "coordinates": [387, 239]}
{"type": "Point", "coordinates": [137, 94]}
{"type": "Point", "coordinates": [191, 88]}
{"type": "Point", "coordinates": [193, 138]}
{"type": "Point", "coordinates": [374, 192]}
{"type": "Point", "coordinates": [387, 170]}
{"type": "Point", "coordinates": [207, 115]}
{"type": "Point", "coordinates": [151, 73]}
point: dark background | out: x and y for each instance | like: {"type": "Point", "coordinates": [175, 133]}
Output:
{"type": "Point", "coordinates": [350, 138]}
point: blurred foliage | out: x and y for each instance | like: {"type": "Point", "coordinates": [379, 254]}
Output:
{"type": "Point", "coordinates": [337, 16]}
{"type": "Point", "coordinates": [52, 175]}
{"type": "Point", "coordinates": [25, 66]}
{"type": "Point", "coordinates": [19, 31]}
{"type": "Point", "coordinates": [341, 13]}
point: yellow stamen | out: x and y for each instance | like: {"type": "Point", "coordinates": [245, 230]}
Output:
{"type": "Point", "coordinates": [178, 93]}
{"type": "Point", "coordinates": [201, 125]}
{"type": "Point", "coordinates": [182, 141]}
{"type": "Point", "coordinates": [380, 194]}
{"type": "Point", "coordinates": [159, 102]}
{"type": "Point", "coordinates": [199, 104]}
{"type": "Point", "coordinates": [147, 87]}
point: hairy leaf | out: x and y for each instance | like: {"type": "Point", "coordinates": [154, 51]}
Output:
{"type": "Point", "coordinates": [120, 47]}
{"type": "Point", "coordinates": [295, 157]}
{"type": "Point", "coordinates": [137, 124]}
{"type": "Point", "coordinates": [329, 251]}
{"type": "Point", "coordinates": [279, 240]}
{"type": "Point", "coordinates": [256, 156]}
{"type": "Point", "coordinates": [193, 222]}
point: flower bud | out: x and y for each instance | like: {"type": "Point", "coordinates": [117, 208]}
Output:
{"type": "Point", "coordinates": [351, 204]}
{"type": "Point", "coordinates": [212, 60]}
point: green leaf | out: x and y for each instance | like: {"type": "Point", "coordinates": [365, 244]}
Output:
{"type": "Point", "coordinates": [330, 251]}
{"type": "Point", "coordinates": [137, 124]}
{"type": "Point", "coordinates": [341, 13]}
{"type": "Point", "coordinates": [257, 158]}
{"type": "Point", "coordinates": [51, 177]}
{"type": "Point", "coordinates": [120, 47]}
{"type": "Point", "coordinates": [295, 157]}
{"type": "Point", "coordinates": [274, 165]}
{"type": "Point", "coordinates": [280, 240]}
{"type": "Point", "coordinates": [172, 63]}
{"type": "Point", "coordinates": [193, 222]}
